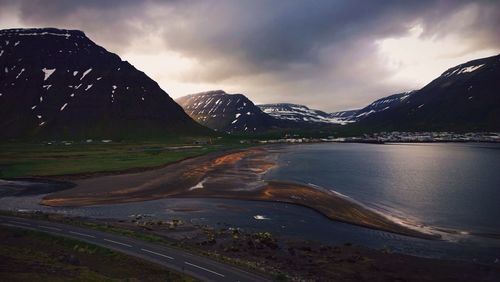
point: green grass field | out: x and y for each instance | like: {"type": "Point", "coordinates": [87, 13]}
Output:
{"type": "Point", "coordinates": [43, 159]}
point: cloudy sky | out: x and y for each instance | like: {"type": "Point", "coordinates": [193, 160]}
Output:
{"type": "Point", "coordinates": [331, 55]}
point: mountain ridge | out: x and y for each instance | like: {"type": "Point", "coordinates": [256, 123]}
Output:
{"type": "Point", "coordinates": [299, 113]}
{"type": "Point", "coordinates": [225, 112]}
{"type": "Point", "coordinates": [465, 97]}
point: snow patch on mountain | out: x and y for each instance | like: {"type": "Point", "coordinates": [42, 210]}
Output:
{"type": "Point", "coordinates": [47, 72]}
{"type": "Point", "coordinates": [462, 69]}
{"type": "Point", "coordinates": [299, 113]}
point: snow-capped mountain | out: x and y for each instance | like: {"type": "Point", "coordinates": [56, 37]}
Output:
{"type": "Point", "coordinates": [303, 114]}
{"type": "Point", "coordinates": [379, 105]}
{"type": "Point", "coordinates": [58, 83]}
{"type": "Point", "coordinates": [465, 97]}
{"type": "Point", "coordinates": [299, 113]}
{"type": "Point", "coordinates": [344, 116]}
{"type": "Point", "coordinates": [226, 112]}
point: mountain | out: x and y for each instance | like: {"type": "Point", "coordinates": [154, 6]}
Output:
{"type": "Point", "coordinates": [226, 112]}
{"type": "Point", "coordinates": [464, 98]}
{"type": "Point", "coordinates": [344, 116]}
{"type": "Point", "coordinates": [57, 83]}
{"type": "Point", "coordinates": [303, 114]}
{"type": "Point", "coordinates": [299, 114]}
{"type": "Point", "coordinates": [379, 105]}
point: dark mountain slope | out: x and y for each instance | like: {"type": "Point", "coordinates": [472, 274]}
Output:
{"type": "Point", "coordinates": [380, 105]}
{"type": "Point", "coordinates": [226, 112]}
{"type": "Point", "coordinates": [463, 98]}
{"type": "Point", "coordinates": [59, 84]}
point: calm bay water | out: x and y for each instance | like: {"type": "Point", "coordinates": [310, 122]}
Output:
{"type": "Point", "coordinates": [445, 185]}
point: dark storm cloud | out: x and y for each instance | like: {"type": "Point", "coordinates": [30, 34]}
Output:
{"type": "Point", "coordinates": [320, 53]}
{"type": "Point", "coordinates": [111, 23]}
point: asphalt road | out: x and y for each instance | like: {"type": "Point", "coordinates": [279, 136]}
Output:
{"type": "Point", "coordinates": [196, 266]}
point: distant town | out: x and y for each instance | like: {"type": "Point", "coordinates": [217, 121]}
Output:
{"type": "Point", "coordinates": [396, 137]}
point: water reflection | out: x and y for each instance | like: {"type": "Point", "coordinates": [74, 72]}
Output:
{"type": "Point", "coordinates": [450, 185]}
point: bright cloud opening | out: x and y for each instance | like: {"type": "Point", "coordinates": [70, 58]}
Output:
{"type": "Point", "coordinates": [414, 59]}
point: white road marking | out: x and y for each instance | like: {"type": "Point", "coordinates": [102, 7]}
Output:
{"type": "Point", "coordinates": [22, 223]}
{"type": "Point", "coordinates": [158, 254]}
{"type": "Point", "coordinates": [81, 234]}
{"type": "Point", "coordinates": [20, 226]}
{"type": "Point", "coordinates": [211, 271]}
{"type": "Point", "coordinates": [48, 227]}
{"type": "Point", "coordinates": [119, 243]}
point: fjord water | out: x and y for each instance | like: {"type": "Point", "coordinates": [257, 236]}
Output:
{"type": "Point", "coordinates": [446, 185]}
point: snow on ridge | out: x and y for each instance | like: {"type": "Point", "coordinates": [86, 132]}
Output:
{"type": "Point", "coordinates": [48, 73]}
{"type": "Point", "coordinates": [85, 73]}
{"type": "Point", "coordinates": [366, 113]}
{"type": "Point", "coordinates": [470, 69]}
{"type": "Point", "coordinates": [404, 97]}
{"type": "Point", "coordinates": [63, 107]}
{"type": "Point", "coordinates": [19, 74]}
{"type": "Point", "coordinates": [459, 70]}
{"type": "Point", "coordinates": [67, 34]}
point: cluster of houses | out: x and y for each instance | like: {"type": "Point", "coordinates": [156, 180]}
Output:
{"type": "Point", "coordinates": [395, 136]}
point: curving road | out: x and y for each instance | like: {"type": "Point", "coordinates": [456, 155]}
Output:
{"type": "Point", "coordinates": [196, 266]}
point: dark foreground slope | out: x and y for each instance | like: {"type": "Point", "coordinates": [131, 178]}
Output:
{"type": "Point", "coordinates": [59, 84]}
{"type": "Point", "coordinates": [464, 98]}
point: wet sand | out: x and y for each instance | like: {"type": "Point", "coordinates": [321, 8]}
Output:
{"type": "Point", "coordinates": [234, 175]}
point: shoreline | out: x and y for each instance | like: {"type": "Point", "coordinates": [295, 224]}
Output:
{"type": "Point", "coordinates": [333, 207]}
{"type": "Point", "coordinates": [236, 174]}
